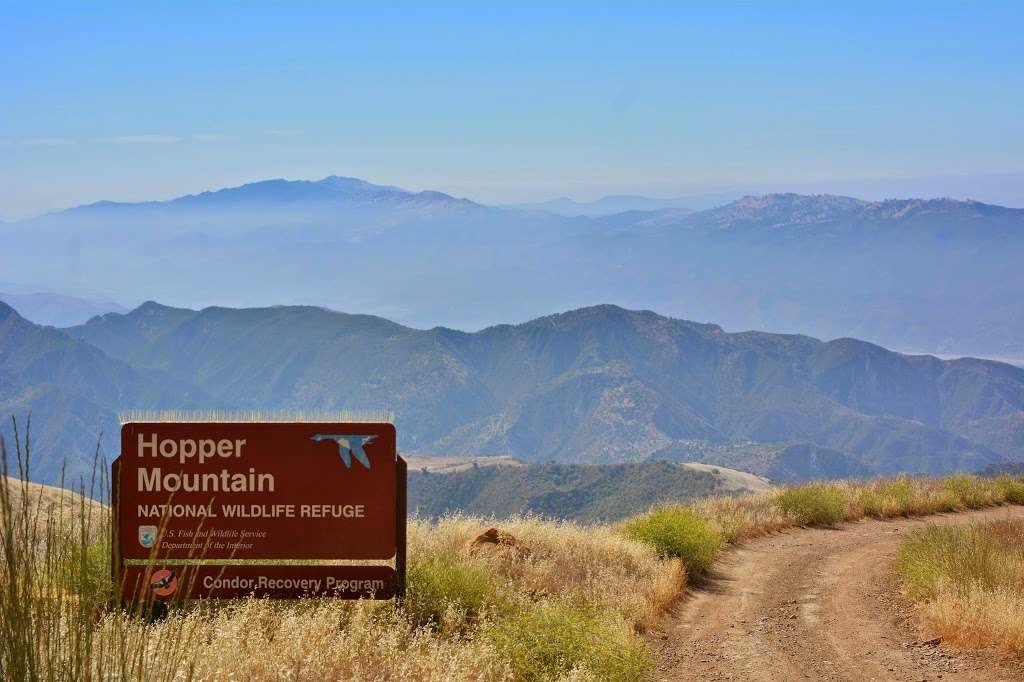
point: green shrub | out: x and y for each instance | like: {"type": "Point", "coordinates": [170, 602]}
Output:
{"type": "Point", "coordinates": [942, 500]}
{"type": "Point", "coordinates": [874, 504]}
{"type": "Point", "coordinates": [900, 495]}
{"type": "Point", "coordinates": [889, 499]}
{"type": "Point", "coordinates": [813, 505]}
{"type": "Point", "coordinates": [967, 491]}
{"type": "Point", "coordinates": [552, 638]}
{"type": "Point", "coordinates": [443, 585]}
{"type": "Point", "coordinates": [1012, 489]}
{"type": "Point", "coordinates": [676, 531]}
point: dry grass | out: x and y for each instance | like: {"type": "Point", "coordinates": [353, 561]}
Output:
{"type": "Point", "coordinates": [580, 594]}
{"type": "Point", "coordinates": [825, 504]}
{"type": "Point", "coordinates": [969, 583]}
{"type": "Point", "coordinates": [585, 564]}
{"type": "Point", "coordinates": [51, 502]}
{"type": "Point", "coordinates": [315, 640]}
{"type": "Point", "coordinates": [745, 517]}
{"type": "Point", "coordinates": [980, 619]}
{"type": "Point", "coordinates": [566, 602]}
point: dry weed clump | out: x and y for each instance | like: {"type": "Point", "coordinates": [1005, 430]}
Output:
{"type": "Point", "coordinates": [584, 564]}
{"type": "Point", "coordinates": [979, 619]}
{"type": "Point", "coordinates": [745, 517]}
{"type": "Point", "coordinates": [319, 640]}
{"type": "Point", "coordinates": [969, 582]}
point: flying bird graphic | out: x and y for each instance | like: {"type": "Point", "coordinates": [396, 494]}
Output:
{"type": "Point", "coordinates": [348, 447]}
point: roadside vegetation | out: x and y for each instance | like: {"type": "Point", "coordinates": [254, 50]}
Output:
{"type": "Point", "coordinates": [969, 583]}
{"type": "Point", "coordinates": [563, 601]}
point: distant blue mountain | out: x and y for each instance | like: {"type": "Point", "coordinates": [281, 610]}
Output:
{"type": "Point", "coordinates": [930, 275]}
{"type": "Point", "coordinates": [332, 190]}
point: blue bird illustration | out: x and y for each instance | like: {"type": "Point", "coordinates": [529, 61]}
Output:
{"type": "Point", "coordinates": [348, 447]}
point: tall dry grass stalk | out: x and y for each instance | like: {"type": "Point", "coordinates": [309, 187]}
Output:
{"type": "Point", "coordinates": [55, 585]}
{"type": "Point", "coordinates": [979, 619]}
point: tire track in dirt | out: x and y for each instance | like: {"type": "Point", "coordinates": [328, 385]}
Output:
{"type": "Point", "coordinates": [817, 604]}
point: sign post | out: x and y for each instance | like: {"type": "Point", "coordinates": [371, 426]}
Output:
{"type": "Point", "coordinates": [222, 510]}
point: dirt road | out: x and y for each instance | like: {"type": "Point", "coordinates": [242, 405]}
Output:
{"type": "Point", "coordinates": [816, 605]}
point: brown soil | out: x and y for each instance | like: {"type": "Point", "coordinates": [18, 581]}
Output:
{"type": "Point", "coordinates": [817, 604]}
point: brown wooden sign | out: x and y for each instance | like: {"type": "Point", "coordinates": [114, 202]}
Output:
{"type": "Point", "coordinates": [190, 491]}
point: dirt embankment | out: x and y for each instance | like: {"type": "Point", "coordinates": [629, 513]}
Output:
{"type": "Point", "coordinates": [817, 605]}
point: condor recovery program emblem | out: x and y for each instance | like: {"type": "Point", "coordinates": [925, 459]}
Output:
{"type": "Point", "coordinates": [163, 583]}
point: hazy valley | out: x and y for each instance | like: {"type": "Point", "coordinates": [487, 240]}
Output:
{"type": "Point", "coordinates": [924, 275]}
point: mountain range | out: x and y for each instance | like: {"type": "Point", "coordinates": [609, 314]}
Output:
{"type": "Point", "coordinates": [595, 385]}
{"type": "Point", "coordinates": [931, 275]}
{"type": "Point", "coordinates": [72, 391]}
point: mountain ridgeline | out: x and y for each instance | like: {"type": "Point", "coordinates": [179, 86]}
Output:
{"type": "Point", "coordinates": [931, 275]}
{"type": "Point", "coordinates": [580, 492]}
{"type": "Point", "coordinates": [594, 385]}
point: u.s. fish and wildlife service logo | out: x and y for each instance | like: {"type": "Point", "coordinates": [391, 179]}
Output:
{"type": "Point", "coordinates": [147, 536]}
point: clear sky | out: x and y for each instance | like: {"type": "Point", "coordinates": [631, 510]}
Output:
{"type": "Point", "coordinates": [509, 103]}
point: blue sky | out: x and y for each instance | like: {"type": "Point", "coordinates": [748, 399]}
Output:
{"type": "Point", "coordinates": [510, 103]}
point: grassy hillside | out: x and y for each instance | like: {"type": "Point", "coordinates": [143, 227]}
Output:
{"type": "Point", "coordinates": [784, 462]}
{"type": "Point", "coordinates": [51, 502]}
{"type": "Point", "coordinates": [579, 492]}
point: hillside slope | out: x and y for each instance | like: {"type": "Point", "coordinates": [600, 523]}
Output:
{"type": "Point", "coordinates": [72, 391]}
{"type": "Point", "coordinates": [580, 492]}
{"type": "Point", "coordinates": [599, 384]}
